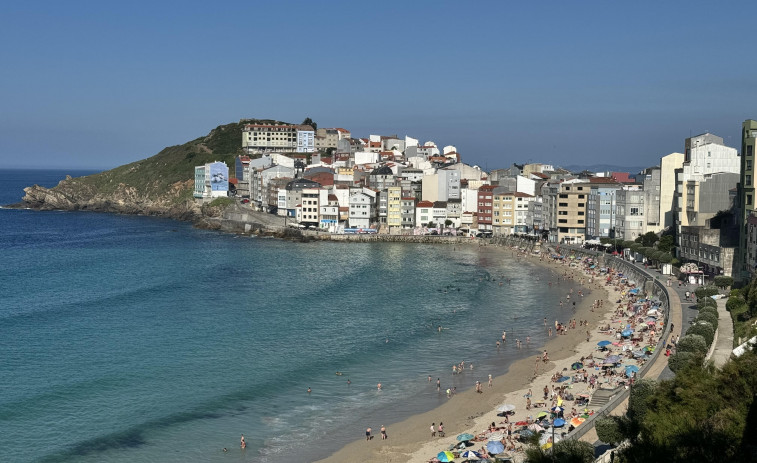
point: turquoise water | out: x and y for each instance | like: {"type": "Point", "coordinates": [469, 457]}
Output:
{"type": "Point", "coordinates": [137, 339]}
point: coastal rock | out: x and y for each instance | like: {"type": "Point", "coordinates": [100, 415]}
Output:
{"type": "Point", "coordinates": [73, 194]}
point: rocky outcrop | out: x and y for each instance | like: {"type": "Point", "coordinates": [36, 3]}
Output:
{"type": "Point", "coordinates": [75, 194]}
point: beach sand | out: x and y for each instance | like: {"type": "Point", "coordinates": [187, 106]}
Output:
{"type": "Point", "coordinates": [472, 412]}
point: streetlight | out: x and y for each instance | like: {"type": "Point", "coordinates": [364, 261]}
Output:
{"type": "Point", "coordinates": [557, 423]}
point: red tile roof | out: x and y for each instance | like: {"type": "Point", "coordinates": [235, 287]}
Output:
{"type": "Point", "coordinates": [425, 204]}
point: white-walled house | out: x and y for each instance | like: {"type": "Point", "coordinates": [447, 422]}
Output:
{"type": "Point", "coordinates": [366, 157]}
{"type": "Point", "coordinates": [363, 208]}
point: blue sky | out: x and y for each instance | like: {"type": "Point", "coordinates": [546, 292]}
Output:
{"type": "Point", "coordinates": [100, 84]}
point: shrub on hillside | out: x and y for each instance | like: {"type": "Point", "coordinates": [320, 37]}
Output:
{"type": "Point", "coordinates": [723, 281]}
{"type": "Point", "coordinates": [693, 343]}
{"type": "Point", "coordinates": [680, 360]}
{"type": "Point", "coordinates": [704, 329]}
{"type": "Point", "coordinates": [735, 301]}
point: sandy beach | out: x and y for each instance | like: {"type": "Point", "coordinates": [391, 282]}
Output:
{"type": "Point", "coordinates": [472, 412]}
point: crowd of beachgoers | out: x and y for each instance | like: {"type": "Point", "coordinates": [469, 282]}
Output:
{"type": "Point", "coordinates": [559, 399]}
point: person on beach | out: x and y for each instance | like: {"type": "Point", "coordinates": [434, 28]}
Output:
{"type": "Point", "coordinates": [378, 386]}
{"type": "Point", "coordinates": [383, 432]}
{"type": "Point", "coordinates": [490, 380]}
{"type": "Point", "coordinates": [433, 429]}
{"type": "Point", "coordinates": [368, 434]}
{"type": "Point", "coordinates": [242, 443]}
{"type": "Point", "coordinates": [441, 429]}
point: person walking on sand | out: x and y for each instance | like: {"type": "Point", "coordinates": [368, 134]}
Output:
{"type": "Point", "coordinates": [490, 380]}
{"type": "Point", "coordinates": [368, 434]}
{"type": "Point", "coordinates": [438, 385]}
{"type": "Point", "coordinates": [433, 429]}
{"type": "Point", "coordinates": [383, 432]}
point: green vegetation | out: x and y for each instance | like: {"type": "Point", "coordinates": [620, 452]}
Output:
{"type": "Point", "coordinates": [743, 310]}
{"type": "Point", "coordinates": [666, 243]}
{"type": "Point", "coordinates": [723, 281]}
{"type": "Point", "coordinates": [703, 414]}
{"type": "Point", "coordinates": [172, 169]}
{"type": "Point", "coordinates": [609, 430]}
{"type": "Point", "coordinates": [648, 239]}
{"type": "Point", "coordinates": [692, 343]}
{"type": "Point", "coordinates": [221, 202]}
{"type": "Point", "coordinates": [706, 291]}
{"type": "Point", "coordinates": [565, 451]}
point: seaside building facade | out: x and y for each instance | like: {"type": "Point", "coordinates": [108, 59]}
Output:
{"type": "Point", "coordinates": [211, 180]}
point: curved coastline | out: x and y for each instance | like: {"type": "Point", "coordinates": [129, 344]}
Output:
{"type": "Point", "coordinates": [409, 440]}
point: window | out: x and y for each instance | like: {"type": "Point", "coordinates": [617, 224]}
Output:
{"type": "Point", "coordinates": [748, 179]}
{"type": "Point", "coordinates": [749, 149]}
{"type": "Point", "coordinates": [563, 204]}
{"type": "Point", "coordinates": [749, 165]}
{"type": "Point", "coordinates": [581, 204]}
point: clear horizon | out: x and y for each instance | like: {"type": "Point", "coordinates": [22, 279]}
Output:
{"type": "Point", "coordinates": [95, 86]}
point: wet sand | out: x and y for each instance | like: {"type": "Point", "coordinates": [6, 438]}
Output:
{"type": "Point", "coordinates": [472, 412]}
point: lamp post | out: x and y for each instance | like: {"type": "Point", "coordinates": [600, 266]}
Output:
{"type": "Point", "coordinates": [556, 423]}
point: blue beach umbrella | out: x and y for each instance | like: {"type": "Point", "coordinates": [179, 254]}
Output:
{"type": "Point", "coordinates": [604, 343]}
{"type": "Point", "coordinates": [626, 333]}
{"type": "Point", "coordinates": [495, 447]}
{"type": "Point", "coordinates": [564, 378]}
{"type": "Point", "coordinates": [470, 455]}
{"type": "Point", "coordinates": [464, 437]}
{"type": "Point", "coordinates": [577, 366]}
{"type": "Point", "coordinates": [631, 369]}
{"type": "Point", "coordinates": [445, 456]}
{"type": "Point", "coordinates": [558, 423]}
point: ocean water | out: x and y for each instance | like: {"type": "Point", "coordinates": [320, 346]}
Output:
{"type": "Point", "coordinates": [139, 339]}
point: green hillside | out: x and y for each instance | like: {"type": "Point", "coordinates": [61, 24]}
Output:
{"type": "Point", "coordinates": [158, 174]}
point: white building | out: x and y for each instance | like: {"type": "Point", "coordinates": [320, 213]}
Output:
{"type": "Point", "coordinates": [257, 138]}
{"type": "Point", "coordinates": [211, 180]}
{"type": "Point", "coordinates": [363, 208]}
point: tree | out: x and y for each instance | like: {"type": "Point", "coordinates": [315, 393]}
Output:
{"type": "Point", "coordinates": [708, 317]}
{"type": "Point", "coordinates": [692, 343]}
{"type": "Point", "coordinates": [680, 361]}
{"type": "Point", "coordinates": [447, 223]}
{"type": "Point", "coordinates": [666, 243]}
{"type": "Point", "coordinates": [703, 329]}
{"type": "Point", "coordinates": [648, 239]}
{"type": "Point", "coordinates": [666, 258]}
{"type": "Point", "coordinates": [309, 121]}
{"type": "Point", "coordinates": [565, 451]}
{"type": "Point", "coordinates": [609, 431]}
{"type": "Point", "coordinates": [707, 291]}
{"type": "Point", "coordinates": [627, 244]}
{"type": "Point", "coordinates": [723, 281]}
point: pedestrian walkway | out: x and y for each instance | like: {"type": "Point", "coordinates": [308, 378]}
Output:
{"type": "Point", "coordinates": [723, 343]}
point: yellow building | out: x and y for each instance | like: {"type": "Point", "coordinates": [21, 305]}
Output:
{"type": "Point", "coordinates": [571, 212]}
{"type": "Point", "coordinates": [394, 207]}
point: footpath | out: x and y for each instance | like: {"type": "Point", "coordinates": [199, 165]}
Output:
{"type": "Point", "coordinates": [682, 314]}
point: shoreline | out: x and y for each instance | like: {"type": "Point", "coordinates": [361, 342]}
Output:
{"type": "Point", "coordinates": [410, 441]}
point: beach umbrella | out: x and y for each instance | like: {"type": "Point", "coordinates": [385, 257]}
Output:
{"type": "Point", "coordinates": [577, 366]}
{"type": "Point", "coordinates": [496, 436]}
{"type": "Point", "coordinates": [445, 456]}
{"type": "Point", "coordinates": [564, 378]}
{"type": "Point", "coordinates": [505, 408]}
{"type": "Point", "coordinates": [546, 446]}
{"type": "Point", "coordinates": [626, 333]}
{"type": "Point", "coordinates": [556, 409]}
{"type": "Point", "coordinates": [464, 437]}
{"type": "Point", "coordinates": [542, 414]}
{"type": "Point", "coordinates": [631, 369]}
{"type": "Point", "coordinates": [649, 349]}
{"type": "Point", "coordinates": [495, 447]}
{"type": "Point", "coordinates": [558, 423]}
{"type": "Point", "coordinates": [470, 455]}
{"type": "Point", "coordinates": [612, 359]}
{"type": "Point", "coordinates": [575, 422]}
{"type": "Point", "coordinates": [604, 343]}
